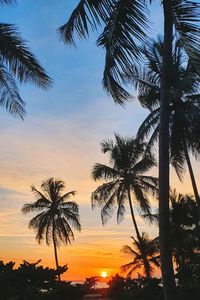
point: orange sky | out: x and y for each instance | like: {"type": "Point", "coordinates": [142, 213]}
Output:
{"type": "Point", "coordinates": [96, 248]}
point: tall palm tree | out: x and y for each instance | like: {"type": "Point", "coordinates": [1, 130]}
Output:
{"type": "Point", "coordinates": [125, 24]}
{"type": "Point", "coordinates": [56, 215]}
{"type": "Point", "coordinates": [184, 105]}
{"type": "Point", "coordinates": [145, 255]}
{"type": "Point", "coordinates": [17, 63]}
{"type": "Point", "coordinates": [124, 179]}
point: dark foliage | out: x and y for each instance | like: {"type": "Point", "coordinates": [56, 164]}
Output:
{"type": "Point", "coordinates": [124, 178]}
{"type": "Point", "coordinates": [125, 27]}
{"type": "Point", "coordinates": [186, 241]}
{"type": "Point", "coordinates": [17, 64]}
{"type": "Point", "coordinates": [145, 256]}
{"type": "Point", "coordinates": [90, 284]}
{"type": "Point", "coordinates": [121, 288]}
{"type": "Point", "coordinates": [28, 281]}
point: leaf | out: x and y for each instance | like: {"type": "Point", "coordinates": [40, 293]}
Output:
{"type": "Point", "coordinates": [9, 94]}
{"type": "Point", "coordinates": [186, 16]}
{"type": "Point", "coordinates": [126, 26]}
{"type": "Point", "coordinates": [7, 2]}
{"type": "Point", "coordinates": [18, 58]}
{"type": "Point", "coordinates": [87, 14]}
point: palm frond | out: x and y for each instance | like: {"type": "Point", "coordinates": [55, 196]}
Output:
{"type": "Point", "coordinates": [49, 232]}
{"type": "Point", "coordinates": [42, 226]}
{"type": "Point", "coordinates": [153, 52]}
{"type": "Point", "coordinates": [153, 139]}
{"type": "Point", "coordinates": [113, 86]}
{"type": "Point", "coordinates": [33, 223]}
{"type": "Point", "coordinates": [128, 250]}
{"type": "Point", "coordinates": [126, 152]}
{"type": "Point", "coordinates": [19, 59]}
{"type": "Point", "coordinates": [146, 84]}
{"type": "Point", "coordinates": [150, 184]}
{"type": "Point", "coordinates": [155, 260]}
{"type": "Point", "coordinates": [53, 187]}
{"type": "Point", "coordinates": [142, 200]}
{"type": "Point", "coordinates": [63, 231]}
{"type": "Point", "coordinates": [72, 217]}
{"type": "Point", "coordinates": [186, 19]}
{"type": "Point", "coordinates": [39, 195]}
{"type": "Point", "coordinates": [9, 94]}
{"type": "Point", "coordinates": [121, 199]}
{"type": "Point", "coordinates": [133, 266]}
{"type": "Point", "coordinates": [30, 207]}
{"type": "Point", "coordinates": [151, 218]}
{"type": "Point", "coordinates": [103, 192]}
{"type": "Point", "coordinates": [69, 205]}
{"type": "Point", "coordinates": [87, 14]}
{"type": "Point", "coordinates": [66, 196]}
{"type": "Point", "coordinates": [7, 2]}
{"type": "Point", "coordinates": [109, 207]}
{"type": "Point", "coordinates": [144, 165]}
{"type": "Point", "coordinates": [126, 26]}
{"type": "Point", "coordinates": [151, 121]}
{"type": "Point", "coordinates": [107, 146]}
{"type": "Point", "coordinates": [177, 157]}
{"type": "Point", "coordinates": [101, 171]}
{"type": "Point", "coordinates": [141, 78]}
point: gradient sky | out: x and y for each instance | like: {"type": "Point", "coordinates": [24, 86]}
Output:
{"type": "Point", "coordinates": [60, 138]}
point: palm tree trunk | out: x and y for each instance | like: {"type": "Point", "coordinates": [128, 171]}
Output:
{"type": "Point", "coordinates": [55, 251]}
{"type": "Point", "coordinates": [164, 223]}
{"type": "Point", "coordinates": [194, 185]}
{"type": "Point", "coordinates": [133, 215]}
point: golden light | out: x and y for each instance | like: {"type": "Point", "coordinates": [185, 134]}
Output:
{"type": "Point", "coordinates": [104, 274]}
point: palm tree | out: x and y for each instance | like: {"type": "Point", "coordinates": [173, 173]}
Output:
{"type": "Point", "coordinates": [124, 179]}
{"type": "Point", "coordinates": [145, 254]}
{"type": "Point", "coordinates": [125, 24]}
{"type": "Point", "coordinates": [56, 215]}
{"type": "Point", "coordinates": [17, 63]}
{"type": "Point", "coordinates": [184, 105]}
{"type": "Point", "coordinates": [184, 228]}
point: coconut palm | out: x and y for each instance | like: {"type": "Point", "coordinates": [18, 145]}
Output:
{"type": "Point", "coordinates": [145, 255]}
{"type": "Point", "coordinates": [184, 105]}
{"type": "Point", "coordinates": [124, 179]}
{"type": "Point", "coordinates": [184, 228]}
{"type": "Point", "coordinates": [57, 214]}
{"type": "Point", "coordinates": [125, 25]}
{"type": "Point", "coordinates": [185, 239]}
{"type": "Point", "coordinates": [17, 63]}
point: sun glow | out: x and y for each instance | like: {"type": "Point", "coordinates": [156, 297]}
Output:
{"type": "Point", "coordinates": [104, 274]}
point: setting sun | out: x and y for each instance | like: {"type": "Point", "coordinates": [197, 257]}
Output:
{"type": "Point", "coordinates": [104, 274]}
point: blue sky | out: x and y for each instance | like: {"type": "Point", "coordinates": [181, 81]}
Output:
{"type": "Point", "coordinates": [60, 137]}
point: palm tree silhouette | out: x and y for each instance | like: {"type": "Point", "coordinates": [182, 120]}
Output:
{"type": "Point", "coordinates": [57, 217]}
{"type": "Point", "coordinates": [124, 179]}
{"type": "Point", "coordinates": [145, 254]}
{"type": "Point", "coordinates": [184, 105]}
{"type": "Point", "coordinates": [184, 228]}
{"type": "Point", "coordinates": [17, 63]}
{"type": "Point", "coordinates": [125, 25]}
